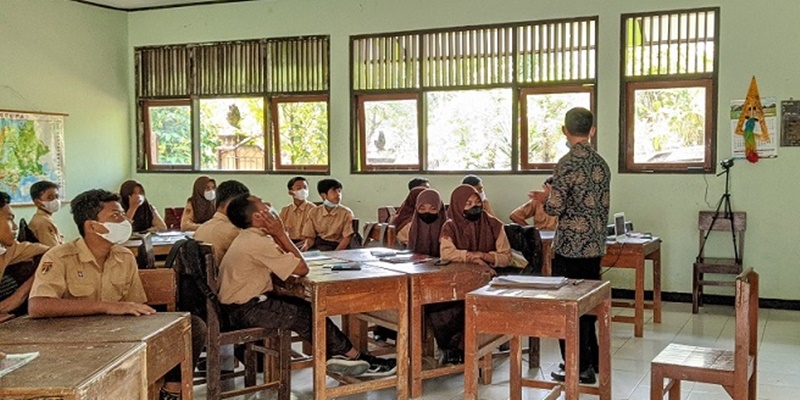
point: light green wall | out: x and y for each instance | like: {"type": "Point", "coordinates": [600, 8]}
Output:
{"type": "Point", "coordinates": [57, 56]}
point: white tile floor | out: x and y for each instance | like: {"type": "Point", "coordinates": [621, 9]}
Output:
{"type": "Point", "coordinates": [778, 376]}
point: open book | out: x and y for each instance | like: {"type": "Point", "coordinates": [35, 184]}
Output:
{"type": "Point", "coordinates": [11, 362]}
{"type": "Point", "coordinates": [529, 282]}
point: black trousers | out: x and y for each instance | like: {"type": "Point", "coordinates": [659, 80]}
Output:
{"type": "Point", "coordinates": [286, 312]}
{"type": "Point", "coordinates": [581, 268]}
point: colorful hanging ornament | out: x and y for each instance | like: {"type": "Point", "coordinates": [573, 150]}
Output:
{"type": "Point", "coordinates": [752, 114]}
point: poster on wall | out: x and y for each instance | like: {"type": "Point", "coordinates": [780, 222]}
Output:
{"type": "Point", "coordinates": [31, 150]}
{"type": "Point", "coordinates": [768, 149]}
{"type": "Point", "coordinates": [790, 123]}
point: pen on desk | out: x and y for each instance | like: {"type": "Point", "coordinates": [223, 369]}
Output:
{"type": "Point", "coordinates": [577, 281]}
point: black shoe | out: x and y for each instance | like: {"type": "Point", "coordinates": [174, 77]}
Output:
{"type": "Point", "coordinates": [587, 377]}
{"type": "Point", "coordinates": [382, 334]}
{"type": "Point", "coordinates": [163, 394]}
{"type": "Point", "coordinates": [561, 367]}
{"type": "Point", "coordinates": [451, 356]}
{"type": "Point", "coordinates": [505, 347]}
{"type": "Point", "coordinates": [378, 366]}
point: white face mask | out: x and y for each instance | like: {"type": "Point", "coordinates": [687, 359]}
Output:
{"type": "Point", "coordinates": [142, 199]}
{"type": "Point", "coordinates": [329, 204]}
{"type": "Point", "coordinates": [118, 232]}
{"type": "Point", "coordinates": [2, 250]}
{"type": "Point", "coordinates": [301, 194]}
{"type": "Point", "coordinates": [52, 206]}
{"type": "Point", "coordinates": [482, 196]}
{"type": "Point", "coordinates": [210, 195]}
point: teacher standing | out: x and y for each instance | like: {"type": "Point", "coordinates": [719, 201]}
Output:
{"type": "Point", "coordinates": [579, 196]}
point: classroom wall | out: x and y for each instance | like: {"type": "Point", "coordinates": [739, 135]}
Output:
{"type": "Point", "coordinates": [64, 57]}
{"type": "Point", "coordinates": [666, 205]}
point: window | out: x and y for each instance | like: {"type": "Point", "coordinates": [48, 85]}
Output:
{"type": "Point", "coordinates": [669, 91]}
{"type": "Point", "coordinates": [489, 98]}
{"type": "Point", "coordinates": [257, 105]}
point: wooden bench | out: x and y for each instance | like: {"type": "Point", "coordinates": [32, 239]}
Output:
{"type": "Point", "coordinates": [734, 369]}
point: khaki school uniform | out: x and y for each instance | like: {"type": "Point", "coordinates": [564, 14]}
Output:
{"type": "Point", "coordinates": [502, 254]}
{"type": "Point", "coordinates": [541, 219]}
{"type": "Point", "coordinates": [45, 229]}
{"type": "Point", "coordinates": [333, 225]}
{"type": "Point", "coordinates": [294, 218]}
{"type": "Point", "coordinates": [70, 271]}
{"type": "Point", "coordinates": [187, 219]}
{"type": "Point", "coordinates": [20, 251]}
{"type": "Point", "coordinates": [246, 269]}
{"type": "Point", "coordinates": [220, 232]}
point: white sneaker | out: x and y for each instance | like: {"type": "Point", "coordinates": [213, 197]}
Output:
{"type": "Point", "coordinates": [344, 366]}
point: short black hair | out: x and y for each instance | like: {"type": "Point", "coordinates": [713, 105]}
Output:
{"type": "Point", "coordinates": [5, 198]}
{"type": "Point", "coordinates": [472, 180]}
{"type": "Point", "coordinates": [417, 181]}
{"type": "Point", "coordinates": [294, 180]}
{"type": "Point", "coordinates": [578, 121]}
{"type": "Point", "coordinates": [325, 185]}
{"type": "Point", "coordinates": [240, 211]}
{"type": "Point", "coordinates": [87, 205]}
{"type": "Point", "coordinates": [38, 188]}
{"type": "Point", "coordinates": [228, 190]}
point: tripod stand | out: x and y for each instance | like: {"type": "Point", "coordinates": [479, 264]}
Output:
{"type": "Point", "coordinates": [725, 201]}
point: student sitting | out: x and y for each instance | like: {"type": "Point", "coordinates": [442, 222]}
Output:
{"type": "Point", "coordinates": [533, 208]}
{"type": "Point", "coordinates": [201, 206]}
{"type": "Point", "coordinates": [471, 236]}
{"type": "Point", "coordinates": [402, 219]}
{"type": "Point", "coordinates": [426, 225]}
{"type": "Point", "coordinates": [329, 226]}
{"type": "Point", "coordinates": [13, 290]}
{"type": "Point", "coordinates": [95, 275]}
{"type": "Point", "coordinates": [264, 248]}
{"type": "Point", "coordinates": [45, 196]}
{"type": "Point", "coordinates": [219, 231]}
{"type": "Point", "coordinates": [475, 181]}
{"type": "Point", "coordinates": [140, 212]}
{"type": "Point", "coordinates": [294, 215]}
{"type": "Point", "coordinates": [419, 181]}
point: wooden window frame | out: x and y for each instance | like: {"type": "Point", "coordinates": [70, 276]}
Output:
{"type": "Point", "coordinates": [525, 163]}
{"type": "Point", "coordinates": [630, 84]}
{"type": "Point", "coordinates": [362, 139]}
{"type": "Point", "coordinates": [150, 140]}
{"type": "Point", "coordinates": [274, 120]}
{"type": "Point", "coordinates": [627, 141]}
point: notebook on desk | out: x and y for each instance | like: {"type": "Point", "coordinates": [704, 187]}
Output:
{"type": "Point", "coordinates": [529, 282]}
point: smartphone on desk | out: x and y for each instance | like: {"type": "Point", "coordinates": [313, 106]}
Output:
{"type": "Point", "coordinates": [346, 267]}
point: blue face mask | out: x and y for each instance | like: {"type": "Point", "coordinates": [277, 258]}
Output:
{"type": "Point", "coordinates": [329, 204]}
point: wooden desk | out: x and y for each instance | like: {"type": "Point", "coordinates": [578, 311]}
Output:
{"type": "Point", "coordinates": [167, 337]}
{"type": "Point", "coordinates": [628, 256]}
{"type": "Point", "coordinates": [352, 292]}
{"type": "Point", "coordinates": [77, 371]}
{"type": "Point", "coordinates": [161, 244]}
{"type": "Point", "coordinates": [540, 313]}
{"type": "Point", "coordinates": [430, 284]}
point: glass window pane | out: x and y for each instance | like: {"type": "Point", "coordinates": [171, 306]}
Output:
{"type": "Point", "coordinates": [546, 143]}
{"type": "Point", "coordinates": [170, 134]}
{"type": "Point", "coordinates": [469, 130]}
{"type": "Point", "coordinates": [391, 132]}
{"type": "Point", "coordinates": [669, 125]}
{"type": "Point", "coordinates": [303, 133]}
{"type": "Point", "coordinates": [232, 134]}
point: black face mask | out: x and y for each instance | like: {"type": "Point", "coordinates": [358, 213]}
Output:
{"type": "Point", "coordinates": [428, 218]}
{"type": "Point", "coordinates": [474, 213]}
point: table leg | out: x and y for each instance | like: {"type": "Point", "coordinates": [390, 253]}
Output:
{"type": "Point", "coordinates": [534, 352]}
{"type": "Point", "coordinates": [516, 369]}
{"type": "Point", "coordinates": [319, 348]}
{"type": "Point", "coordinates": [416, 350]}
{"type": "Point", "coordinates": [656, 258]}
{"type": "Point", "coordinates": [187, 369]}
{"type": "Point", "coordinates": [604, 325]}
{"type": "Point", "coordinates": [572, 361]}
{"type": "Point", "coordinates": [638, 317]}
{"type": "Point", "coordinates": [470, 356]}
{"type": "Point", "coordinates": [402, 344]}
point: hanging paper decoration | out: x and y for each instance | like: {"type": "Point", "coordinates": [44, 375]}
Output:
{"type": "Point", "coordinates": [752, 114]}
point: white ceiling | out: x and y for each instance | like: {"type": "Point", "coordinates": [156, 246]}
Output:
{"type": "Point", "coordinates": [131, 5]}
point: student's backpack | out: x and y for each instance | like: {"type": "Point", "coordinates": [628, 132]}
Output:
{"type": "Point", "coordinates": [25, 233]}
{"type": "Point", "coordinates": [187, 259]}
{"type": "Point", "coordinates": [528, 241]}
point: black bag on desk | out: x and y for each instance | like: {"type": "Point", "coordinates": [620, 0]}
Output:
{"type": "Point", "coordinates": [187, 260]}
{"type": "Point", "coordinates": [528, 241]}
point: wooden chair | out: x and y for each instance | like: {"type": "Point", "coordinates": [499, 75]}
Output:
{"type": "Point", "coordinates": [145, 255]}
{"type": "Point", "coordinates": [386, 214]}
{"type": "Point", "coordinates": [161, 287]}
{"type": "Point", "coordinates": [735, 370]}
{"type": "Point", "coordinates": [707, 265]}
{"type": "Point", "coordinates": [379, 234]}
{"type": "Point", "coordinates": [172, 217]}
{"type": "Point", "coordinates": [25, 234]}
{"type": "Point", "coordinates": [275, 348]}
